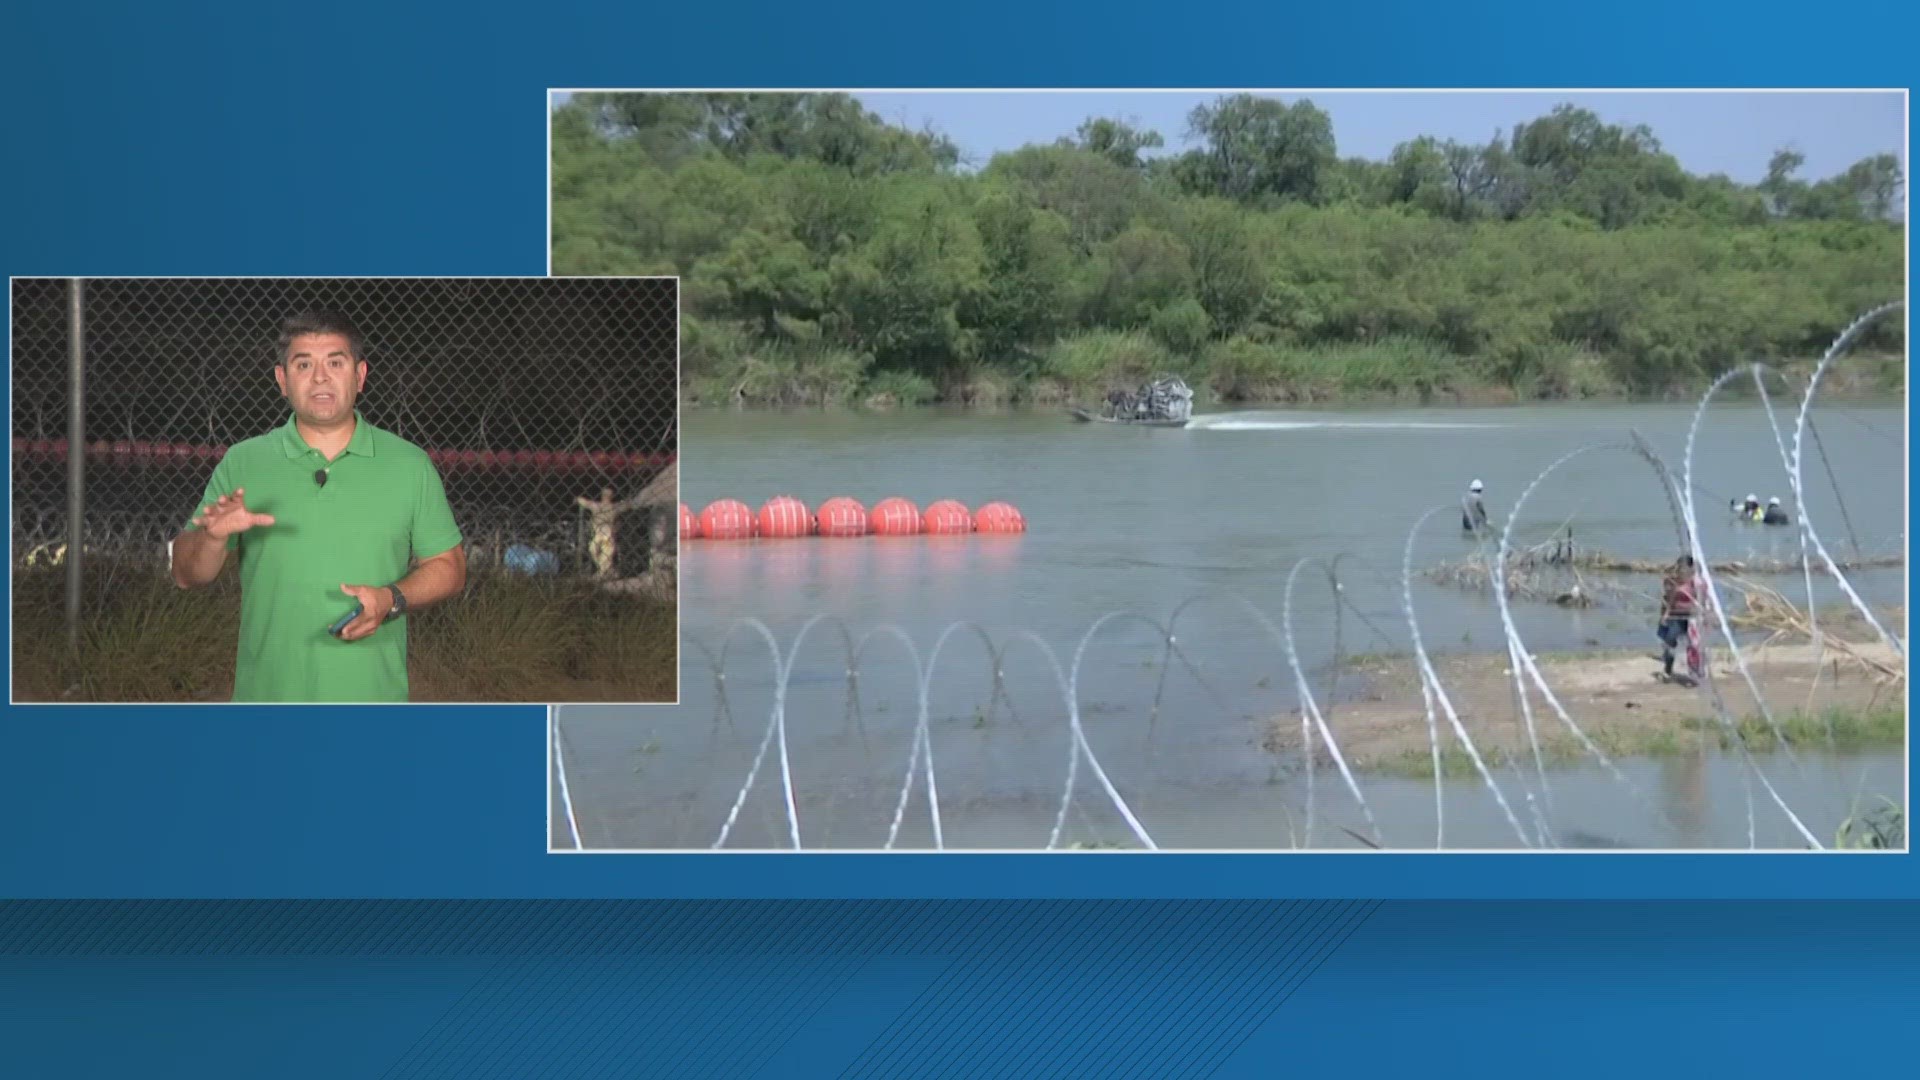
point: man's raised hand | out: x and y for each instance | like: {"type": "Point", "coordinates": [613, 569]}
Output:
{"type": "Point", "coordinates": [229, 515]}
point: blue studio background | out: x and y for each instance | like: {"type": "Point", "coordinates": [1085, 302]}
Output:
{"type": "Point", "coordinates": [371, 139]}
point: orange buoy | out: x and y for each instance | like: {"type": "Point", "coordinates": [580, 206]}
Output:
{"type": "Point", "coordinates": [999, 518]}
{"type": "Point", "coordinates": [841, 516]}
{"type": "Point", "coordinates": [689, 525]}
{"type": "Point", "coordinates": [894, 517]}
{"type": "Point", "coordinates": [784, 517]}
{"type": "Point", "coordinates": [946, 518]}
{"type": "Point", "coordinates": [726, 519]}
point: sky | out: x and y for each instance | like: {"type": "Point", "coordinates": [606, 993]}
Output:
{"type": "Point", "coordinates": [1731, 133]}
{"type": "Point", "coordinates": [1713, 132]}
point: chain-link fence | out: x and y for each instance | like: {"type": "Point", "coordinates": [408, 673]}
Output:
{"type": "Point", "coordinates": [530, 394]}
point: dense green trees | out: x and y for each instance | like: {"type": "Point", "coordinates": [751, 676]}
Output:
{"type": "Point", "coordinates": [829, 256]}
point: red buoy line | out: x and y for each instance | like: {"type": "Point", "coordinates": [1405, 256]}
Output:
{"type": "Point", "coordinates": [784, 517]}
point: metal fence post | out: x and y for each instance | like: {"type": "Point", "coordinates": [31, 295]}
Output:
{"type": "Point", "coordinates": [76, 456]}
{"type": "Point", "coordinates": [526, 393]}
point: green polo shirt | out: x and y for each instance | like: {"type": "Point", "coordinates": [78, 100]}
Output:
{"type": "Point", "coordinates": [382, 506]}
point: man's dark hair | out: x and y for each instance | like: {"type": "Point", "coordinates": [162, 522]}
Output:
{"type": "Point", "coordinates": [319, 322]}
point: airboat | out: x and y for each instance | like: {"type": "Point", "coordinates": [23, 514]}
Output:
{"type": "Point", "coordinates": [1163, 402]}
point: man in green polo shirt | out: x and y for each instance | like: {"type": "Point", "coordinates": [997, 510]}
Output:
{"type": "Point", "coordinates": [325, 512]}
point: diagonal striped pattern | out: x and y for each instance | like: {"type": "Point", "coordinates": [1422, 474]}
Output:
{"type": "Point", "coordinates": [1097, 989]}
{"type": "Point", "coordinates": [773, 988]}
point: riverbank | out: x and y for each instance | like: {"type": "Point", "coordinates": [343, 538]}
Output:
{"type": "Point", "coordinates": [1819, 698]}
{"type": "Point", "coordinates": [1865, 381]}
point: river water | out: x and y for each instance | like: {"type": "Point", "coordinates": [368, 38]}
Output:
{"type": "Point", "coordinates": [1134, 532]}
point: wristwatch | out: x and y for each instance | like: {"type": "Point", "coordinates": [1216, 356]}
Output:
{"type": "Point", "coordinates": [399, 607]}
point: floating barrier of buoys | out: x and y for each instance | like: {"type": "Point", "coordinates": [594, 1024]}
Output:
{"type": "Point", "coordinates": [841, 516]}
{"type": "Point", "coordinates": [946, 518]}
{"type": "Point", "coordinates": [894, 517]}
{"type": "Point", "coordinates": [726, 519]}
{"type": "Point", "coordinates": [999, 518]}
{"type": "Point", "coordinates": [784, 517]}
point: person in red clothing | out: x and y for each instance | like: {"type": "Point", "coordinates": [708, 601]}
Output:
{"type": "Point", "coordinates": [1680, 594]}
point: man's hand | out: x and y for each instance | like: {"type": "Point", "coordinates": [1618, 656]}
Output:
{"type": "Point", "coordinates": [229, 515]}
{"type": "Point", "coordinates": [432, 580]}
{"type": "Point", "coordinates": [375, 602]}
{"type": "Point", "coordinates": [200, 551]}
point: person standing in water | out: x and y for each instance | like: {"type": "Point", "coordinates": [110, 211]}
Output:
{"type": "Point", "coordinates": [1776, 514]}
{"type": "Point", "coordinates": [1473, 512]}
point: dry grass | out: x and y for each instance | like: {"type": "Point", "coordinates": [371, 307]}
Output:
{"type": "Point", "coordinates": [1766, 609]}
{"type": "Point", "coordinates": [1547, 571]}
{"type": "Point", "coordinates": [507, 639]}
{"type": "Point", "coordinates": [1571, 577]}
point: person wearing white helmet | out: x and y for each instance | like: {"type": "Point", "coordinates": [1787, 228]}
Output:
{"type": "Point", "coordinates": [1776, 514]}
{"type": "Point", "coordinates": [1473, 512]}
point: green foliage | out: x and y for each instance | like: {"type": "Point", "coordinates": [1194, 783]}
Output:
{"type": "Point", "coordinates": [1025, 277]}
{"type": "Point", "coordinates": [1240, 369]}
{"type": "Point", "coordinates": [1880, 826]}
{"type": "Point", "coordinates": [1095, 196]}
{"type": "Point", "coordinates": [1182, 327]}
{"type": "Point", "coordinates": [1134, 275]}
{"type": "Point", "coordinates": [1260, 151]}
{"type": "Point", "coordinates": [1227, 277]}
{"type": "Point", "coordinates": [1102, 359]}
{"type": "Point", "coordinates": [828, 257]}
{"type": "Point", "coordinates": [1116, 141]}
{"type": "Point", "coordinates": [1837, 728]}
{"type": "Point", "coordinates": [891, 389]}
{"type": "Point", "coordinates": [833, 129]}
{"type": "Point", "coordinates": [899, 295]}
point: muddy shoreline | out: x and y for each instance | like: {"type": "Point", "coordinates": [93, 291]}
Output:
{"type": "Point", "coordinates": [1617, 699]}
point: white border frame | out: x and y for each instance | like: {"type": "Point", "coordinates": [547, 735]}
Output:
{"type": "Point", "coordinates": [553, 713]}
{"type": "Point", "coordinates": [677, 343]}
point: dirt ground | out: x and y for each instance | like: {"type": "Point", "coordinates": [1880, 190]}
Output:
{"type": "Point", "coordinates": [1616, 698]}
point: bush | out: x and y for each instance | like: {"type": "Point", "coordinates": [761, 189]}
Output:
{"type": "Point", "coordinates": [781, 375]}
{"type": "Point", "coordinates": [1182, 327]}
{"type": "Point", "coordinates": [1106, 358]}
{"type": "Point", "coordinates": [898, 389]}
{"type": "Point", "coordinates": [1239, 369]}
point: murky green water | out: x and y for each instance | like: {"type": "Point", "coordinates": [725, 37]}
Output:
{"type": "Point", "coordinates": [1133, 530]}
